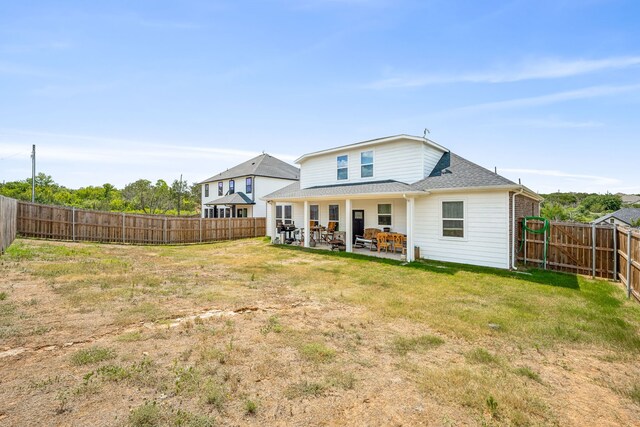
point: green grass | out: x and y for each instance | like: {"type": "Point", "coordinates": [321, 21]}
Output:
{"type": "Point", "coordinates": [305, 389]}
{"type": "Point", "coordinates": [403, 345]}
{"type": "Point", "coordinates": [3, 296]}
{"type": "Point", "coordinates": [527, 372]}
{"type": "Point", "coordinates": [317, 352]}
{"type": "Point", "coordinates": [147, 415]}
{"type": "Point", "coordinates": [92, 355]}
{"type": "Point", "coordinates": [482, 356]}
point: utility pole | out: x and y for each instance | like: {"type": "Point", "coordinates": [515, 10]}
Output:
{"type": "Point", "coordinates": [180, 195]}
{"type": "Point", "coordinates": [33, 174]}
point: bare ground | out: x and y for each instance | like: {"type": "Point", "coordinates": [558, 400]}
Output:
{"type": "Point", "coordinates": [199, 357]}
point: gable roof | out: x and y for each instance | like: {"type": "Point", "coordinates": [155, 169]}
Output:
{"type": "Point", "coordinates": [294, 191]}
{"type": "Point", "coordinates": [262, 165]}
{"type": "Point", "coordinates": [238, 198]}
{"type": "Point", "coordinates": [372, 142]}
{"type": "Point", "coordinates": [626, 215]}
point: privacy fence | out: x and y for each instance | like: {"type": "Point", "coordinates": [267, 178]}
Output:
{"type": "Point", "coordinates": [8, 223]}
{"type": "Point", "coordinates": [605, 251]}
{"type": "Point", "coordinates": [62, 223]}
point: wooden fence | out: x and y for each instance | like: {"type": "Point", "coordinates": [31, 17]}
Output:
{"type": "Point", "coordinates": [62, 223]}
{"type": "Point", "coordinates": [8, 223]}
{"type": "Point", "coordinates": [605, 251]}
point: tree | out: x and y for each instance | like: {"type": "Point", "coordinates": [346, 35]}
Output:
{"type": "Point", "coordinates": [554, 211]}
{"type": "Point", "coordinates": [146, 197]}
{"type": "Point", "coordinates": [179, 190]}
{"type": "Point", "coordinates": [602, 202]}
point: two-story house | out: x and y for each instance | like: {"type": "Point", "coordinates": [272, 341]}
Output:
{"type": "Point", "coordinates": [237, 192]}
{"type": "Point", "coordinates": [448, 207]}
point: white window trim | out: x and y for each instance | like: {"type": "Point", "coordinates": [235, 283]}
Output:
{"type": "Point", "coordinates": [282, 218]}
{"type": "Point", "coordinates": [378, 215]}
{"type": "Point", "coordinates": [347, 168]}
{"type": "Point", "coordinates": [465, 219]}
{"type": "Point", "coordinates": [373, 163]}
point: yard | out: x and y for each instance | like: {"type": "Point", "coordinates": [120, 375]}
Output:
{"type": "Point", "coordinates": [243, 332]}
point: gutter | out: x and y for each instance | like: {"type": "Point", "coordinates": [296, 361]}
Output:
{"type": "Point", "coordinates": [513, 227]}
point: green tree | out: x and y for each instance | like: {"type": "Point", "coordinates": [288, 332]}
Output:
{"type": "Point", "coordinates": [554, 211]}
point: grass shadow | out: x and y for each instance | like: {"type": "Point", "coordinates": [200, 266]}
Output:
{"type": "Point", "coordinates": [542, 277]}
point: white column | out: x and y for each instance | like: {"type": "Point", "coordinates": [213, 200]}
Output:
{"type": "Point", "coordinates": [307, 231]}
{"type": "Point", "coordinates": [347, 228]}
{"type": "Point", "coordinates": [272, 226]}
{"type": "Point", "coordinates": [410, 214]}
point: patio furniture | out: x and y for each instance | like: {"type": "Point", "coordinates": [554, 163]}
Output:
{"type": "Point", "coordinates": [400, 243]}
{"type": "Point", "coordinates": [327, 234]}
{"type": "Point", "coordinates": [384, 242]}
{"type": "Point", "coordinates": [337, 242]}
{"type": "Point", "coordinates": [367, 238]}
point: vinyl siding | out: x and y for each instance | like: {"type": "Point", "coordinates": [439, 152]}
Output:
{"type": "Point", "coordinates": [402, 161]}
{"type": "Point", "coordinates": [486, 240]}
{"type": "Point", "coordinates": [430, 157]}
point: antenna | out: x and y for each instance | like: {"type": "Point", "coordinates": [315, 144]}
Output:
{"type": "Point", "coordinates": [426, 131]}
{"type": "Point", "coordinates": [495, 170]}
{"type": "Point", "coordinates": [33, 174]}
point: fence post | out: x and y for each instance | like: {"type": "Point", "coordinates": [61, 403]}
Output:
{"type": "Point", "coordinates": [545, 251]}
{"type": "Point", "coordinates": [629, 263]}
{"type": "Point", "coordinates": [200, 230]}
{"type": "Point", "coordinates": [615, 252]}
{"type": "Point", "coordinates": [593, 250]}
{"type": "Point", "coordinates": [255, 227]}
{"type": "Point", "coordinates": [164, 230]}
{"type": "Point", "coordinates": [229, 236]}
{"type": "Point", "coordinates": [73, 224]}
{"type": "Point", "coordinates": [123, 235]}
{"type": "Point", "coordinates": [524, 236]}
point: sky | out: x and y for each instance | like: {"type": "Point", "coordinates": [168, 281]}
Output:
{"type": "Point", "coordinates": [114, 91]}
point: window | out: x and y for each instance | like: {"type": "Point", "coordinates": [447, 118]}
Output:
{"type": "Point", "coordinates": [453, 219]}
{"type": "Point", "coordinates": [241, 213]}
{"type": "Point", "coordinates": [206, 213]}
{"type": "Point", "coordinates": [283, 214]}
{"type": "Point", "coordinates": [343, 167]}
{"type": "Point", "coordinates": [384, 214]}
{"type": "Point", "coordinates": [334, 215]}
{"type": "Point", "coordinates": [220, 191]}
{"type": "Point", "coordinates": [249, 186]}
{"type": "Point", "coordinates": [212, 213]}
{"type": "Point", "coordinates": [314, 212]}
{"type": "Point", "coordinates": [232, 186]}
{"type": "Point", "coordinates": [366, 164]}
{"type": "Point", "coordinates": [206, 190]}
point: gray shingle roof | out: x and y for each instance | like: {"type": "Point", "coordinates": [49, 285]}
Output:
{"type": "Point", "coordinates": [263, 165]}
{"type": "Point", "coordinates": [627, 215]}
{"type": "Point", "coordinates": [294, 191]}
{"type": "Point", "coordinates": [452, 171]}
{"type": "Point", "coordinates": [238, 198]}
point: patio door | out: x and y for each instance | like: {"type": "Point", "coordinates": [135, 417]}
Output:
{"type": "Point", "coordinates": [357, 223]}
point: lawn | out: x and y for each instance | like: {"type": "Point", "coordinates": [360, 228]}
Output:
{"type": "Point", "coordinates": [244, 332]}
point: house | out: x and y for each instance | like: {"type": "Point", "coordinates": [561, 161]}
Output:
{"type": "Point", "coordinates": [626, 217]}
{"type": "Point", "coordinates": [629, 199]}
{"type": "Point", "coordinates": [237, 192]}
{"type": "Point", "coordinates": [449, 208]}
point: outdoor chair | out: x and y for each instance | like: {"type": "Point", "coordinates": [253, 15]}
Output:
{"type": "Point", "coordinates": [400, 243]}
{"type": "Point", "coordinates": [327, 234]}
{"type": "Point", "coordinates": [367, 238]}
{"type": "Point", "coordinates": [384, 242]}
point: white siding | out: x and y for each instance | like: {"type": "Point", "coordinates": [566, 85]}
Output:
{"type": "Point", "coordinates": [486, 240]}
{"type": "Point", "coordinates": [431, 157]}
{"type": "Point", "coordinates": [402, 161]}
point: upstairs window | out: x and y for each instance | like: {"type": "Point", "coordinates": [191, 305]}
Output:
{"type": "Point", "coordinates": [384, 214]}
{"type": "Point", "coordinates": [453, 219]}
{"type": "Point", "coordinates": [220, 191]}
{"type": "Point", "coordinates": [249, 185]}
{"type": "Point", "coordinates": [366, 164]}
{"type": "Point", "coordinates": [232, 186]}
{"type": "Point", "coordinates": [206, 190]}
{"type": "Point", "coordinates": [343, 167]}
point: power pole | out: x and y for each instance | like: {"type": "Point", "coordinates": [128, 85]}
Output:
{"type": "Point", "coordinates": [33, 174]}
{"type": "Point", "coordinates": [180, 195]}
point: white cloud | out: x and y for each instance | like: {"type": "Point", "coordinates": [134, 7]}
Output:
{"type": "Point", "coordinates": [547, 180]}
{"type": "Point", "coordinates": [535, 69]}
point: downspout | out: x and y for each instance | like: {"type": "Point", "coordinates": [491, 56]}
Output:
{"type": "Point", "coordinates": [513, 228]}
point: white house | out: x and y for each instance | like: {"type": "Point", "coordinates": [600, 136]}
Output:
{"type": "Point", "coordinates": [237, 192]}
{"type": "Point", "coordinates": [625, 217]}
{"type": "Point", "coordinates": [448, 207]}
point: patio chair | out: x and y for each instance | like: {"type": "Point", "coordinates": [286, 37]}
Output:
{"type": "Point", "coordinates": [400, 243]}
{"type": "Point", "coordinates": [384, 242]}
{"type": "Point", "coordinates": [327, 234]}
{"type": "Point", "coordinates": [367, 238]}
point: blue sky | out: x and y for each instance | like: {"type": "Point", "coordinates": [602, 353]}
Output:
{"type": "Point", "coordinates": [546, 91]}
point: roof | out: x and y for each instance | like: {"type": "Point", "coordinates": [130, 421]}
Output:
{"type": "Point", "coordinates": [238, 198]}
{"type": "Point", "coordinates": [626, 215]}
{"type": "Point", "coordinates": [452, 172]}
{"type": "Point", "coordinates": [630, 198]}
{"type": "Point", "coordinates": [293, 191]}
{"type": "Point", "coordinates": [262, 165]}
{"type": "Point", "coordinates": [373, 142]}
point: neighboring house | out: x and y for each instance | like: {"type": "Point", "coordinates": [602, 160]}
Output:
{"type": "Point", "coordinates": [237, 192]}
{"type": "Point", "coordinates": [629, 199]}
{"type": "Point", "coordinates": [625, 217]}
{"type": "Point", "coordinates": [450, 208]}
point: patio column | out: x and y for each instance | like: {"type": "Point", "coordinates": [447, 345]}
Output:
{"type": "Point", "coordinates": [348, 238]}
{"type": "Point", "coordinates": [307, 231]}
{"type": "Point", "coordinates": [411, 201]}
{"type": "Point", "coordinates": [272, 227]}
